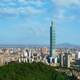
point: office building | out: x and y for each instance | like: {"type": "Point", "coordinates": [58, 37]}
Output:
{"type": "Point", "coordinates": [52, 40]}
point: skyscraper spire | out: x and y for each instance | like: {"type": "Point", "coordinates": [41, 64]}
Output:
{"type": "Point", "coordinates": [51, 23]}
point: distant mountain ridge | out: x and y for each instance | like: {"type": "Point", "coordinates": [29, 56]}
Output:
{"type": "Point", "coordinates": [22, 46]}
{"type": "Point", "coordinates": [67, 45]}
{"type": "Point", "coordinates": [63, 45]}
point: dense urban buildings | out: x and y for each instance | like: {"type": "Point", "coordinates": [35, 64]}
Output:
{"type": "Point", "coordinates": [8, 55]}
{"type": "Point", "coordinates": [66, 57]}
{"type": "Point", "coordinates": [62, 57]}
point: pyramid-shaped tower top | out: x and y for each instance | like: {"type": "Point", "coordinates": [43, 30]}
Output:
{"type": "Point", "coordinates": [52, 23]}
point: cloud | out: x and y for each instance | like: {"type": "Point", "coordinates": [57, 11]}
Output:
{"type": "Point", "coordinates": [21, 7]}
{"type": "Point", "coordinates": [8, 12]}
{"type": "Point", "coordinates": [65, 9]}
{"type": "Point", "coordinates": [62, 15]}
{"type": "Point", "coordinates": [66, 2]}
{"type": "Point", "coordinates": [38, 3]}
{"type": "Point", "coordinates": [32, 10]}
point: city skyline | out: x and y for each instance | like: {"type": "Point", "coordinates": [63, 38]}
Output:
{"type": "Point", "coordinates": [28, 21]}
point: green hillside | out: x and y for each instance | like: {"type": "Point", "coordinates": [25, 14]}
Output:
{"type": "Point", "coordinates": [27, 71]}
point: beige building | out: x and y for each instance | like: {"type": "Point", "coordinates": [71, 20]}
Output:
{"type": "Point", "coordinates": [6, 56]}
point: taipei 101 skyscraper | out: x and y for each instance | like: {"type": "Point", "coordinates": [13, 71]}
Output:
{"type": "Point", "coordinates": [52, 40]}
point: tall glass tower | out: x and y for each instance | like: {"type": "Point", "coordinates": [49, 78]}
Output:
{"type": "Point", "coordinates": [52, 40]}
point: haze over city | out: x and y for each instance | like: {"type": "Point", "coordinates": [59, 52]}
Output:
{"type": "Point", "coordinates": [28, 21]}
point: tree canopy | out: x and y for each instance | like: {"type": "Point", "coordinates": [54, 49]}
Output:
{"type": "Point", "coordinates": [29, 71]}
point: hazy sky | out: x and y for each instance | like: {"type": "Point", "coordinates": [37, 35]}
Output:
{"type": "Point", "coordinates": [28, 21]}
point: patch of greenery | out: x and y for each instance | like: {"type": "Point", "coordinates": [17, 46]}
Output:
{"type": "Point", "coordinates": [29, 71]}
